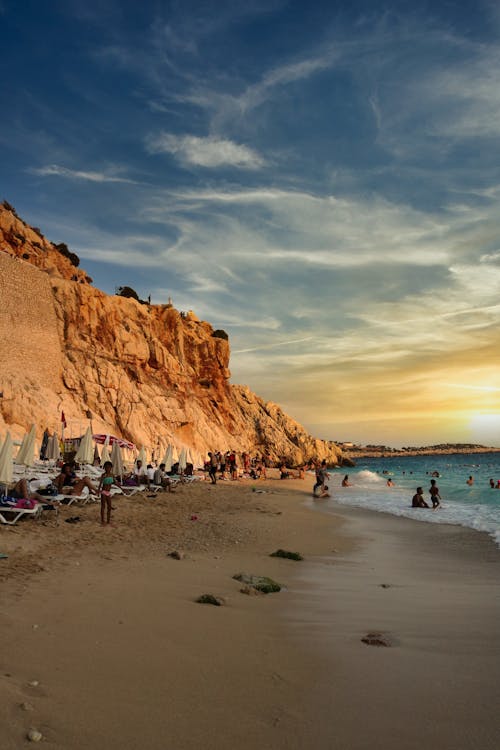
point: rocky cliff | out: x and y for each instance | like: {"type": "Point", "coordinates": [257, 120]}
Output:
{"type": "Point", "coordinates": [147, 373]}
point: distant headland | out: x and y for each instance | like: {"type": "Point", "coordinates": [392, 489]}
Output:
{"type": "Point", "coordinates": [383, 451]}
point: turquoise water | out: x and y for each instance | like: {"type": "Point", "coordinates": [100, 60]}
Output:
{"type": "Point", "coordinates": [476, 506]}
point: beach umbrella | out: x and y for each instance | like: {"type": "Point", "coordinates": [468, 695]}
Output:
{"type": "Point", "coordinates": [44, 445]}
{"type": "Point", "coordinates": [182, 460]}
{"type": "Point", "coordinates": [85, 452]}
{"type": "Point", "coordinates": [26, 453]}
{"type": "Point", "coordinates": [101, 438]}
{"type": "Point", "coordinates": [97, 458]}
{"type": "Point", "coordinates": [105, 451]}
{"type": "Point", "coordinates": [167, 458]}
{"type": "Point", "coordinates": [6, 468]}
{"type": "Point", "coordinates": [53, 451]}
{"type": "Point", "coordinates": [142, 456]}
{"type": "Point", "coordinates": [116, 460]}
{"type": "Point", "coordinates": [21, 447]}
{"type": "Point", "coordinates": [175, 455]}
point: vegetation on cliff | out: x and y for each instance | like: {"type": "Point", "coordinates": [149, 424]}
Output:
{"type": "Point", "coordinates": [148, 373]}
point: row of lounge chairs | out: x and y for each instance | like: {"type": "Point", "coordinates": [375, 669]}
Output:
{"type": "Point", "coordinates": [10, 515]}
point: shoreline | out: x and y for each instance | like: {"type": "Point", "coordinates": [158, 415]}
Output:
{"type": "Point", "coordinates": [125, 658]}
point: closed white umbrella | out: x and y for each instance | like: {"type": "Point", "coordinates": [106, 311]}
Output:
{"type": "Point", "coordinates": [85, 452]}
{"type": "Point", "coordinates": [167, 458]}
{"type": "Point", "coordinates": [116, 460]}
{"type": "Point", "coordinates": [53, 451]}
{"type": "Point", "coordinates": [26, 453]}
{"type": "Point", "coordinates": [182, 460]}
{"type": "Point", "coordinates": [6, 468]}
{"type": "Point", "coordinates": [175, 455]}
{"type": "Point", "coordinates": [142, 456]}
{"type": "Point", "coordinates": [105, 452]}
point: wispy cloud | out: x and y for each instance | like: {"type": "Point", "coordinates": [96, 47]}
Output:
{"type": "Point", "coordinates": [481, 388]}
{"type": "Point", "coordinates": [273, 346]}
{"type": "Point", "coordinates": [207, 151]}
{"type": "Point", "coordinates": [54, 170]}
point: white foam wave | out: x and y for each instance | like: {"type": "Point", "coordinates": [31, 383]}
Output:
{"type": "Point", "coordinates": [397, 501]}
{"type": "Point", "coordinates": [366, 476]}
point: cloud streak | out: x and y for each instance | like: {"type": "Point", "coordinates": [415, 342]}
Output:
{"type": "Point", "coordinates": [54, 170]}
{"type": "Point", "coordinates": [206, 152]}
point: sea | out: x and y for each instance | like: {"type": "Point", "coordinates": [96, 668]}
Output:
{"type": "Point", "coordinates": [476, 506]}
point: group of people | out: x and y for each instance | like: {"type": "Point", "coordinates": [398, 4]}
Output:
{"type": "Point", "coordinates": [221, 465]}
{"type": "Point", "coordinates": [320, 488]}
{"type": "Point", "coordinates": [418, 498]}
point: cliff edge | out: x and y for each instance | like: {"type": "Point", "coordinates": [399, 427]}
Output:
{"type": "Point", "coordinates": [148, 373]}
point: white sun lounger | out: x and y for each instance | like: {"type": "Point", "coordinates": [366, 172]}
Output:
{"type": "Point", "coordinates": [128, 491]}
{"type": "Point", "coordinates": [84, 498]}
{"type": "Point", "coordinates": [11, 515]}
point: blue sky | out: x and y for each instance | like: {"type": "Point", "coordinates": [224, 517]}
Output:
{"type": "Point", "coordinates": [320, 180]}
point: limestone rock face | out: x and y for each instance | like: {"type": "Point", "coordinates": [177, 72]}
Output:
{"type": "Point", "coordinates": [147, 373]}
{"type": "Point", "coordinates": [21, 241]}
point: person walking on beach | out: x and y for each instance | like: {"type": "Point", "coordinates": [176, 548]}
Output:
{"type": "Point", "coordinates": [107, 479]}
{"type": "Point", "coordinates": [212, 467]}
{"type": "Point", "coordinates": [418, 499]}
{"type": "Point", "coordinates": [435, 496]}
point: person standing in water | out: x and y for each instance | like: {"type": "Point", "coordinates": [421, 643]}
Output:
{"type": "Point", "coordinates": [435, 496]}
{"type": "Point", "coordinates": [470, 481]}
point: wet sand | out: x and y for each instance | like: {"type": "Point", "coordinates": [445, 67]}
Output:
{"type": "Point", "coordinates": [107, 624]}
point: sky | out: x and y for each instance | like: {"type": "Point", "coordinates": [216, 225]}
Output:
{"type": "Point", "coordinates": [320, 180]}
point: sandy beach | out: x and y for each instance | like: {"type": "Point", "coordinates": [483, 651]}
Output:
{"type": "Point", "coordinates": [106, 624]}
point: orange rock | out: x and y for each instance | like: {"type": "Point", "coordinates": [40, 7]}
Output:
{"type": "Point", "coordinates": [146, 372]}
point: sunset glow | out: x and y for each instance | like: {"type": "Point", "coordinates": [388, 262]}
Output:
{"type": "Point", "coordinates": [320, 181]}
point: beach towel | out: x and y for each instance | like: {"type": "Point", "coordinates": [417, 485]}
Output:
{"type": "Point", "coordinates": [26, 503]}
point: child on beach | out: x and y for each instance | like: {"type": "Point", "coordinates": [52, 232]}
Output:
{"type": "Point", "coordinates": [107, 479]}
{"type": "Point", "coordinates": [435, 496]}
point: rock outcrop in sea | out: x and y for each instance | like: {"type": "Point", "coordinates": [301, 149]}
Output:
{"type": "Point", "coordinates": [148, 373]}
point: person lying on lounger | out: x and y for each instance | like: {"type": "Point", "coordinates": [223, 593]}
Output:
{"type": "Point", "coordinates": [69, 484]}
{"type": "Point", "coordinates": [21, 490]}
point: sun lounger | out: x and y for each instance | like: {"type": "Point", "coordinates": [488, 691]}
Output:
{"type": "Point", "coordinates": [83, 499]}
{"type": "Point", "coordinates": [11, 515]}
{"type": "Point", "coordinates": [133, 490]}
